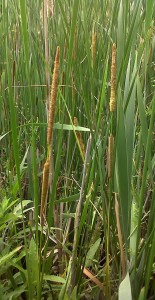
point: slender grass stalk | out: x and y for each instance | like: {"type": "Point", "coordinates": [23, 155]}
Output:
{"type": "Point", "coordinates": [46, 38]}
{"type": "Point", "coordinates": [45, 186]}
{"type": "Point", "coordinates": [79, 136]}
{"type": "Point", "coordinates": [110, 155]}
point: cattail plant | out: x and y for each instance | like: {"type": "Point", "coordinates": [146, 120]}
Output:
{"type": "Point", "coordinates": [113, 80]}
{"type": "Point", "coordinates": [93, 47]}
{"type": "Point", "coordinates": [52, 104]}
{"type": "Point", "coordinates": [112, 109]}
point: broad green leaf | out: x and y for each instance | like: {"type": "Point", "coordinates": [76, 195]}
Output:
{"type": "Point", "coordinates": [33, 262]}
{"type": "Point", "coordinates": [133, 234]}
{"type": "Point", "coordinates": [91, 253]}
{"type": "Point", "coordinates": [122, 170]}
{"type": "Point", "coordinates": [125, 289]}
{"type": "Point", "coordinates": [130, 127]}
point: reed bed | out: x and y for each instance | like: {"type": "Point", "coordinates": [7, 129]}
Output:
{"type": "Point", "coordinates": [77, 154]}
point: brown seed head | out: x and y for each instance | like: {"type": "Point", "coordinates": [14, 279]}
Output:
{"type": "Point", "coordinates": [93, 47]}
{"type": "Point", "coordinates": [52, 104]}
{"type": "Point", "coordinates": [113, 80]}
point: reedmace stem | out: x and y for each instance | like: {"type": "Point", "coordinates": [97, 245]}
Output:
{"type": "Point", "coordinates": [44, 191]}
{"type": "Point", "coordinates": [110, 155]}
{"type": "Point", "coordinates": [79, 136]}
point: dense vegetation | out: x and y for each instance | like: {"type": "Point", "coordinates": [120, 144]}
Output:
{"type": "Point", "coordinates": [77, 160]}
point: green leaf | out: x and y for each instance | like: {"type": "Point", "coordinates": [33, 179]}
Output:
{"type": "Point", "coordinates": [7, 257]}
{"type": "Point", "coordinates": [149, 12]}
{"type": "Point", "coordinates": [54, 278]}
{"type": "Point", "coordinates": [130, 126]}
{"type": "Point", "coordinates": [70, 127]}
{"type": "Point", "coordinates": [2, 136]}
{"type": "Point", "coordinates": [71, 198]}
{"type": "Point", "coordinates": [122, 170]}
{"type": "Point", "coordinates": [141, 296]}
{"type": "Point", "coordinates": [125, 289]}
{"type": "Point", "coordinates": [149, 266]}
{"type": "Point", "coordinates": [9, 217]}
{"type": "Point", "coordinates": [120, 36]}
{"type": "Point", "coordinates": [142, 112]}
{"type": "Point", "coordinates": [73, 294]}
{"type": "Point", "coordinates": [15, 294]}
{"type": "Point", "coordinates": [91, 253]}
{"type": "Point", "coordinates": [133, 235]}
{"type": "Point", "coordinates": [33, 262]}
{"type": "Point", "coordinates": [18, 208]}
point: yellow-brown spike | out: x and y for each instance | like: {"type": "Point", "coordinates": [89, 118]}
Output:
{"type": "Point", "coordinates": [110, 155]}
{"type": "Point", "coordinates": [93, 47]}
{"type": "Point", "coordinates": [44, 192]}
{"type": "Point", "coordinates": [52, 104]}
{"type": "Point", "coordinates": [113, 80]}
